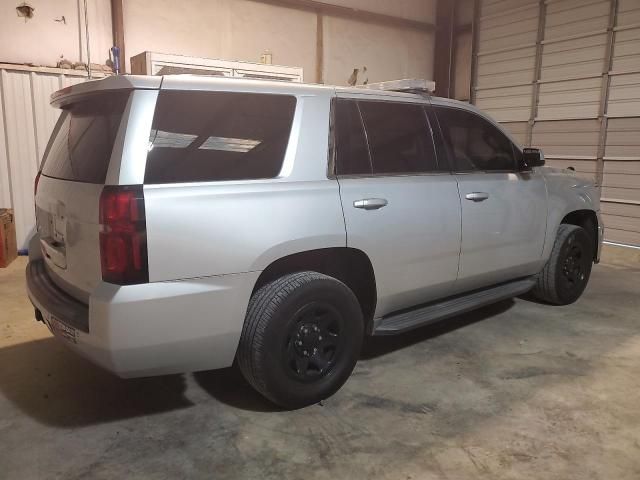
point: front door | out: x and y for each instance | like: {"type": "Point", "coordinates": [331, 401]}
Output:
{"type": "Point", "coordinates": [401, 206]}
{"type": "Point", "coordinates": [504, 209]}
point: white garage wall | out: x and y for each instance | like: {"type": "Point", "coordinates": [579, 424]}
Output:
{"type": "Point", "coordinates": [243, 30]}
{"type": "Point", "coordinates": [41, 40]}
{"type": "Point", "coordinates": [393, 53]}
{"type": "Point", "coordinates": [225, 29]}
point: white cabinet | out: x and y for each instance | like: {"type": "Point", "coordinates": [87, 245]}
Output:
{"type": "Point", "coordinates": [151, 63]}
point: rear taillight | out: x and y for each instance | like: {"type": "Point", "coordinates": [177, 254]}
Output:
{"type": "Point", "coordinates": [123, 235]}
{"type": "Point", "coordinates": [35, 184]}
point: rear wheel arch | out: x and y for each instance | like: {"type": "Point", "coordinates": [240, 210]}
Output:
{"type": "Point", "coordinates": [349, 265]}
{"type": "Point", "coordinates": [299, 344]}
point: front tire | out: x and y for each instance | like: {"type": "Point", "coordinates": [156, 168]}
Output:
{"type": "Point", "coordinates": [566, 274]}
{"type": "Point", "coordinates": [301, 338]}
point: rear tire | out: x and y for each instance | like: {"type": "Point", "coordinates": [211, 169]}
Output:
{"type": "Point", "coordinates": [566, 274]}
{"type": "Point", "coordinates": [301, 338]}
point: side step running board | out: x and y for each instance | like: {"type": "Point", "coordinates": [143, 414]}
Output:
{"type": "Point", "coordinates": [408, 320]}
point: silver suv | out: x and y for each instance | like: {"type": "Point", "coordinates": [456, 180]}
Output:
{"type": "Point", "coordinates": [186, 222]}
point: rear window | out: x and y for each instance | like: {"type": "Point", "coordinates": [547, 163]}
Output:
{"type": "Point", "coordinates": [213, 136]}
{"type": "Point", "coordinates": [82, 146]}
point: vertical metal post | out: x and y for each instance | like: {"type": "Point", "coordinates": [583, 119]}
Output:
{"type": "Point", "coordinates": [319, 47]}
{"type": "Point", "coordinates": [117, 29]}
{"type": "Point", "coordinates": [604, 92]}
{"type": "Point", "coordinates": [86, 31]}
{"type": "Point", "coordinates": [537, 71]}
{"type": "Point", "coordinates": [445, 20]}
{"type": "Point", "coordinates": [475, 37]}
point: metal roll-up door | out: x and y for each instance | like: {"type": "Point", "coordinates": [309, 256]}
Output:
{"type": "Point", "coordinates": [573, 53]}
{"type": "Point", "coordinates": [569, 143]}
{"type": "Point", "coordinates": [564, 75]}
{"type": "Point", "coordinates": [26, 122]}
{"type": "Point", "coordinates": [506, 51]}
{"type": "Point", "coordinates": [621, 166]}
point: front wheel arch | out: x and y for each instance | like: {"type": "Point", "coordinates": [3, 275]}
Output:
{"type": "Point", "coordinates": [588, 220]}
{"type": "Point", "coordinates": [551, 285]}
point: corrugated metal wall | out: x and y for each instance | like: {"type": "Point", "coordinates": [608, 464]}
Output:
{"type": "Point", "coordinates": [26, 121]}
{"type": "Point", "coordinates": [564, 75]}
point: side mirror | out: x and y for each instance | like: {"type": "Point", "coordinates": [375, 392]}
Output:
{"type": "Point", "coordinates": [532, 157]}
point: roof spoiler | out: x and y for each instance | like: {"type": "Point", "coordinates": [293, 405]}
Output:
{"type": "Point", "coordinates": [408, 85]}
{"type": "Point", "coordinates": [112, 82]}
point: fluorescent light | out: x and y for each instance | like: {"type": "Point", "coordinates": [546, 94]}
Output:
{"type": "Point", "coordinates": [239, 145]}
{"type": "Point", "coordinates": [162, 139]}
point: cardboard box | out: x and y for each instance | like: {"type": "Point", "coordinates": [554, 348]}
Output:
{"type": "Point", "coordinates": [8, 243]}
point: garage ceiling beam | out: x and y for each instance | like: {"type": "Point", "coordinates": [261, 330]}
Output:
{"type": "Point", "coordinates": [366, 16]}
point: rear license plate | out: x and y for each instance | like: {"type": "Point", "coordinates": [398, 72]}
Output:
{"type": "Point", "coordinates": [59, 329]}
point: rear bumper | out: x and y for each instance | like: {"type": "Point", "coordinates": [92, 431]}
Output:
{"type": "Point", "coordinates": [149, 329]}
{"type": "Point", "coordinates": [53, 300]}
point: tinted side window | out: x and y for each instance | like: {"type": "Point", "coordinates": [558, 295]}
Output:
{"type": "Point", "coordinates": [473, 142]}
{"type": "Point", "coordinates": [352, 154]}
{"type": "Point", "coordinates": [82, 147]}
{"type": "Point", "coordinates": [399, 137]}
{"type": "Point", "coordinates": [209, 136]}
{"type": "Point", "coordinates": [441, 149]}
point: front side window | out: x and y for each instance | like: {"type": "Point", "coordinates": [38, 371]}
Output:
{"type": "Point", "coordinates": [473, 142]}
{"type": "Point", "coordinates": [214, 136]}
{"type": "Point", "coordinates": [399, 137]}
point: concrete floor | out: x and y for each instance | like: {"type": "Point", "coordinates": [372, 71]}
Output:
{"type": "Point", "coordinates": [515, 391]}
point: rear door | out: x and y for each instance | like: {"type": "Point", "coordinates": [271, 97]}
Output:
{"type": "Point", "coordinates": [401, 205]}
{"type": "Point", "coordinates": [72, 177]}
{"type": "Point", "coordinates": [504, 209]}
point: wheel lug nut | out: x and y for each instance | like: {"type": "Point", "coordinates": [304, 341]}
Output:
{"type": "Point", "coordinates": [320, 338]}
{"type": "Point", "coordinates": [299, 343]}
{"type": "Point", "coordinates": [305, 352]}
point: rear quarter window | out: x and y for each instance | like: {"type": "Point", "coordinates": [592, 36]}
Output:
{"type": "Point", "coordinates": [81, 147]}
{"type": "Point", "coordinates": [215, 136]}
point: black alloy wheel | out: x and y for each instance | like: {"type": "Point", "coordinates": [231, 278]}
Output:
{"type": "Point", "coordinates": [314, 343]}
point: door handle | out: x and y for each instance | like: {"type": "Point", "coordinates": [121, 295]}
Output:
{"type": "Point", "coordinates": [477, 196]}
{"type": "Point", "coordinates": [371, 203]}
